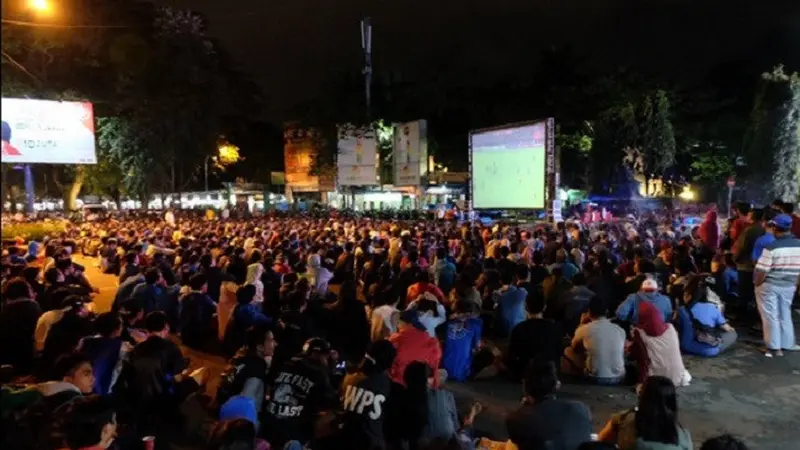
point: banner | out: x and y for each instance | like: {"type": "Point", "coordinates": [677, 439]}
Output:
{"type": "Point", "coordinates": [49, 132]}
{"type": "Point", "coordinates": [410, 153]}
{"type": "Point", "coordinates": [299, 151]}
{"type": "Point", "coordinates": [357, 157]}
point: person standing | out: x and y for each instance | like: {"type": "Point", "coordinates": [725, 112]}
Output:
{"type": "Point", "coordinates": [742, 254]}
{"type": "Point", "coordinates": [775, 278]}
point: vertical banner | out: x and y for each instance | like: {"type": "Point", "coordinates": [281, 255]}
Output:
{"type": "Point", "coordinates": [299, 151]}
{"type": "Point", "coordinates": [410, 153]}
{"type": "Point", "coordinates": [554, 204]}
{"type": "Point", "coordinates": [357, 156]}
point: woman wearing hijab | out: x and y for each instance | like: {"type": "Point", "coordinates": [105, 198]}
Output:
{"type": "Point", "coordinates": [656, 347]}
{"type": "Point", "coordinates": [254, 272]}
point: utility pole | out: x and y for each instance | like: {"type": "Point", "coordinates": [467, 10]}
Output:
{"type": "Point", "coordinates": [366, 46]}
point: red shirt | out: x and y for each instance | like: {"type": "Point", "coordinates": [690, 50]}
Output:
{"type": "Point", "coordinates": [417, 289]}
{"type": "Point", "coordinates": [414, 345]}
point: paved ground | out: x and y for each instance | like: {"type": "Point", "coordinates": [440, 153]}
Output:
{"type": "Point", "coordinates": [741, 392]}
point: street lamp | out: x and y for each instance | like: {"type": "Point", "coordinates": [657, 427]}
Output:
{"type": "Point", "coordinates": [227, 154]}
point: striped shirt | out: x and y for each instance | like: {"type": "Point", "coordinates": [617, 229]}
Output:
{"type": "Point", "coordinates": [780, 260]}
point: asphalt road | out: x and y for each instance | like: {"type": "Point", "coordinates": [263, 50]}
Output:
{"type": "Point", "coordinates": [741, 392]}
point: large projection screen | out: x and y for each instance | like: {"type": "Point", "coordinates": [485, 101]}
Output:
{"type": "Point", "coordinates": [49, 132]}
{"type": "Point", "coordinates": [507, 167]}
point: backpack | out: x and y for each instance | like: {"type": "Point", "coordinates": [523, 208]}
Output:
{"type": "Point", "coordinates": [703, 334]}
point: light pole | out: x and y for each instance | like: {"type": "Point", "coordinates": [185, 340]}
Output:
{"type": "Point", "coordinates": [205, 172]}
{"type": "Point", "coordinates": [366, 45]}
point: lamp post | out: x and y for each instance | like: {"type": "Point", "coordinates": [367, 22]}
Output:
{"type": "Point", "coordinates": [205, 172]}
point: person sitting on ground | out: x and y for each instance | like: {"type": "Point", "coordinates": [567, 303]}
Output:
{"type": "Point", "coordinates": [384, 317]}
{"type": "Point", "coordinates": [364, 399]}
{"type": "Point", "coordinates": [535, 338]}
{"type": "Point", "coordinates": [65, 335]}
{"type": "Point", "coordinates": [245, 315]}
{"type": "Point", "coordinates": [301, 393]}
{"type": "Point", "coordinates": [227, 303]}
{"type": "Point", "coordinates": [544, 421]}
{"type": "Point", "coordinates": [107, 351]}
{"type": "Point", "coordinates": [656, 348]}
{"type": "Point", "coordinates": [150, 293]}
{"type": "Point", "coordinates": [88, 423]}
{"type": "Point", "coordinates": [509, 302]}
{"type": "Point", "coordinates": [157, 377]}
{"type": "Point", "coordinates": [56, 289]}
{"type": "Point", "coordinates": [132, 317]}
{"type": "Point", "coordinates": [443, 271]}
{"type": "Point", "coordinates": [597, 349]}
{"type": "Point", "coordinates": [568, 270]}
{"type": "Point", "coordinates": [72, 377]}
{"type": "Point", "coordinates": [628, 310]}
{"type": "Point", "coordinates": [424, 285]}
{"type": "Point", "coordinates": [197, 311]}
{"type": "Point", "coordinates": [413, 343]}
{"type": "Point", "coordinates": [462, 355]}
{"type": "Point", "coordinates": [18, 318]}
{"type": "Point", "coordinates": [431, 312]}
{"type": "Point", "coordinates": [653, 424]}
{"type": "Point", "coordinates": [703, 329]}
{"type": "Point", "coordinates": [131, 267]}
{"type": "Point", "coordinates": [247, 372]}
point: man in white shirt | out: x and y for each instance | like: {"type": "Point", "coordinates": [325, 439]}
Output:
{"type": "Point", "coordinates": [598, 348]}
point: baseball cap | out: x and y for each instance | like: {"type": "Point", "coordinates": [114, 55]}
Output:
{"type": "Point", "coordinates": [782, 222]}
{"type": "Point", "coordinates": [649, 285]}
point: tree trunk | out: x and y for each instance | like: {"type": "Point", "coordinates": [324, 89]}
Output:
{"type": "Point", "coordinates": [71, 195]}
{"type": "Point", "coordinates": [116, 195]}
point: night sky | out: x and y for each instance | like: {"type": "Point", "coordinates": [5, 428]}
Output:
{"type": "Point", "coordinates": [294, 48]}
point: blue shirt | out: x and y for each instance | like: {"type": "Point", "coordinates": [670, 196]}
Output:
{"type": "Point", "coordinates": [248, 315]}
{"type": "Point", "coordinates": [686, 334]}
{"type": "Point", "coordinates": [761, 242]}
{"type": "Point", "coordinates": [630, 307]}
{"type": "Point", "coordinates": [510, 308]}
{"type": "Point", "coordinates": [568, 270]}
{"type": "Point", "coordinates": [708, 315]}
{"type": "Point", "coordinates": [463, 337]}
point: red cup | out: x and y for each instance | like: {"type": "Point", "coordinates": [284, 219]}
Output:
{"type": "Point", "coordinates": [149, 442]}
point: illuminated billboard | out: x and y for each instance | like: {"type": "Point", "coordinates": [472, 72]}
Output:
{"type": "Point", "coordinates": [410, 153]}
{"type": "Point", "coordinates": [49, 132]}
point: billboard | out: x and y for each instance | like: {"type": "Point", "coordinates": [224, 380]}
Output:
{"type": "Point", "coordinates": [49, 132]}
{"type": "Point", "coordinates": [508, 166]}
{"type": "Point", "coordinates": [357, 156]}
{"type": "Point", "coordinates": [300, 147]}
{"type": "Point", "coordinates": [410, 153]}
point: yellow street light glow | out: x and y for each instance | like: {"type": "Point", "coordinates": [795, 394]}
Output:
{"type": "Point", "coordinates": [228, 154]}
{"type": "Point", "coordinates": [40, 5]}
{"type": "Point", "coordinates": [687, 194]}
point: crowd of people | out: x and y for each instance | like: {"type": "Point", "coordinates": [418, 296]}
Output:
{"type": "Point", "coordinates": [344, 333]}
